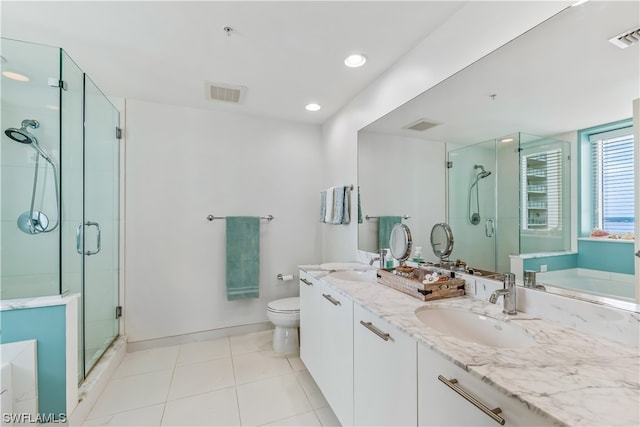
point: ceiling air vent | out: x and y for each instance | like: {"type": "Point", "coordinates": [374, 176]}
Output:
{"type": "Point", "coordinates": [421, 125]}
{"type": "Point", "coordinates": [225, 92]}
{"type": "Point", "coordinates": [626, 39]}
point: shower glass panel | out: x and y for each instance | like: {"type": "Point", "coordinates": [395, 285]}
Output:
{"type": "Point", "coordinates": [100, 231]}
{"type": "Point", "coordinates": [50, 247]}
{"type": "Point", "coordinates": [522, 207]}
{"type": "Point", "coordinates": [30, 262]}
{"type": "Point", "coordinates": [71, 107]}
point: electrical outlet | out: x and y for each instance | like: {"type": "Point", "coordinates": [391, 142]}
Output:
{"type": "Point", "coordinates": [543, 268]}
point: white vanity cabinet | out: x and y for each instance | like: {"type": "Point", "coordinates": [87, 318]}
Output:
{"type": "Point", "coordinates": [384, 372]}
{"type": "Point", "coordinates": [310, 323]}
{"type": "Point", "coordinates": [326, 343]}
{"type": "Point", "coordinates": [440, 405]}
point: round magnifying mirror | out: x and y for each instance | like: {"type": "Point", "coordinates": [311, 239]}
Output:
{"type": "Point", "coordinates": [442, 240]}
{"type": "Point", "coordinates": [400, 242]}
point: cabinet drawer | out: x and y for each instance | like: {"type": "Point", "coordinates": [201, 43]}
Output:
{"type": "Point", "coordinates": [440, 405]}
{"type": "Point", "coordinates": [384, 372]}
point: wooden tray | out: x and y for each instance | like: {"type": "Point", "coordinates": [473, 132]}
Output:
{"type": "Point", "coordinates": [445, 288]}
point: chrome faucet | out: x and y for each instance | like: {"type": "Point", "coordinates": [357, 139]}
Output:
{"type": "Point", "coordinates": [508, 294]}
{"type": "Point", "coordinates": [381, 256]}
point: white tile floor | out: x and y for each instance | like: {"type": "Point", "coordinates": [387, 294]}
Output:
{"type": "Point", "coordinates": [230, 381]}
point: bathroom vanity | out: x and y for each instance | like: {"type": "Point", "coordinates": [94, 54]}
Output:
{"type": "Point", "coordinates": [381, 358]}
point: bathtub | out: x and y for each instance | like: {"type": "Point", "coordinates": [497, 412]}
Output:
{"type": "Point", "coordinates": [602, 283]}
{"type": "Point", "coordinates": [19, 382]}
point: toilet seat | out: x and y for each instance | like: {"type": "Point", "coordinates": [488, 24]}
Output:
{"type": "Point", "coordinates": [285, 306]}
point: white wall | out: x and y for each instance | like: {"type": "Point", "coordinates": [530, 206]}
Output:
{"type": "Point", "coordinates": [183, 164]}
{"type": "Point", "coordinates": [397, 176]}
{"type": "Point", "coordinates": [474, 31]}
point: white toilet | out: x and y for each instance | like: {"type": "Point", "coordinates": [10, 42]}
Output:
{"type": "Point", "coordinates": [285, 315]}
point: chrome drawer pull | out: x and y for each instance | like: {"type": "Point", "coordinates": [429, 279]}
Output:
{"type": "Point", "coordinates": [493, 413]}
{"type": "Point", "coordinates": [332, 299]}
{"type": "Point", "coordinates": [385, 336]}
{"type": "Point", "coordinates": [306, 282]}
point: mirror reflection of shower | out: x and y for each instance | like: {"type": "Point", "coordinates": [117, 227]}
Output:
{"type": "Point", "coordinates": [35, 221]}
{"type": "Point", "coordinates": [474, 217]}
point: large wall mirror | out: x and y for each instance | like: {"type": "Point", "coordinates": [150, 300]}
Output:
{"type": "Point", "coordinates": [495, 151]}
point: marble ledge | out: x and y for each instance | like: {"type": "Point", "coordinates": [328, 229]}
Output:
{"type": "Point", "coordinates": [572, 378]}
{"type": "Point", "coordinates": [33, 302]}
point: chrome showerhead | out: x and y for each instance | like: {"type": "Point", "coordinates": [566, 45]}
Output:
{"type": "Point", "coordinates": [483, 173]}
{"type": "Point", "coordinates": [23, 136]}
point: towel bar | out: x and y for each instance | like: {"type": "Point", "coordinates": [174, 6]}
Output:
{"type": "Point", "coordinates": [350, 187]}
{"type": "Point", "coordinates": [368, 217]}
{"type": "Point", "coordinates": [269, 218]}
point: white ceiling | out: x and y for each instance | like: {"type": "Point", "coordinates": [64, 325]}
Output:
{"type": "Point", "coordinates": [559, 77]}
{"type": "Point", "coordinates": [287, 53]}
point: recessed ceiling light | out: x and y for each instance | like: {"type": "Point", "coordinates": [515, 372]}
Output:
{"type": "Point", "coordinates": [15, 76]}
{"type": "Point", "coordinates": [312, 107]}
{"type": "Point", "coordinates": [507, 140]}
{"type": "Point", "coordinates": [356, 60]}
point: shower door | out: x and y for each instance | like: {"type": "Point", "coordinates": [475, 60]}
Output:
{"type": "Point", "coordinates": [472, 208]}
{"type": "Point", "coordinates": [100, 227]}
{"type": "Point", "coordinates": [89, 184]}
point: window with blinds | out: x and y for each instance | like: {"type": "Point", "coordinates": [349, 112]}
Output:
{"type": "Point", "coordinates": [542, 193]}
{"type": "Point", "coordinates": [612, 183]}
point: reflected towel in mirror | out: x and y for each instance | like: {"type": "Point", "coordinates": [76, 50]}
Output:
{"type": "Point", "coordinates": [385, 224]}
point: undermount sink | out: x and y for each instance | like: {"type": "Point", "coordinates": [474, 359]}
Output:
{"type": "Point", "coordinates": [473, 327]}
{"type": "Point", "coordinates": [355, 275]}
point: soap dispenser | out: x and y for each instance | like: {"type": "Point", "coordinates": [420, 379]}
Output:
{"type": "Point", "coordinates": [417, 254]}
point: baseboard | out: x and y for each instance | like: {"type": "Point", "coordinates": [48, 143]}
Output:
{"type": "Point", "coordinates": [198, 336]}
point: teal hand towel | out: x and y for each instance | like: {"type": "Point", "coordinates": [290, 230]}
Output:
{"type": "Point", "coordinates": [338, 205]}
{"type": "Point", "coordinates": [243, 257]}
{"type": "Point", "coordinates": [346, 210]}
{"type": "Point", "coordinates": [385, 224]}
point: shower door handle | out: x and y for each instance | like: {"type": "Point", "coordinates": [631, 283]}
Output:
{"type": "Point", "coordinates": [79, 240]}
{"type": "Point", "coordinates": [489, 228]}
{"type": "Point", "coordinates": [98, 243]}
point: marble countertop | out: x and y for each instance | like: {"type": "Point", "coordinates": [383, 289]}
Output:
{"type": "Point", "coordinates": [571, 377]}
{"type": "Point", "coordinates": [33, 302]}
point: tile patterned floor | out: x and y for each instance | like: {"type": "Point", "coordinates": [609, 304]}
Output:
{"type": "Point", "coordinates": [232, 381]}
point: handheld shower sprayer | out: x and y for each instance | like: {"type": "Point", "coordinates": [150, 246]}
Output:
{"type": "Point", "coordinates": [33, 221]}
{"type": "Point", "coordinates": [474, 218]}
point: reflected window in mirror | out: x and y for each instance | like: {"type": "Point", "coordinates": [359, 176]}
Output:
{"type": "Point", "coordinates": [607, 181]}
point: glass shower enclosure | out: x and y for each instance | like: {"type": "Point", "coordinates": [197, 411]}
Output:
{"type": "Point", "coordinates": [59, 156]}
{"type": "Point", "coordinates": [508, 196]}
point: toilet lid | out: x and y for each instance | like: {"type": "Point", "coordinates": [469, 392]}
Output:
{"type": "Point", "coordinates": [285, 304]}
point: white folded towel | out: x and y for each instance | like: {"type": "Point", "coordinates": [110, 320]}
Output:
{"type": "Point", "coordinates": [328, 216]}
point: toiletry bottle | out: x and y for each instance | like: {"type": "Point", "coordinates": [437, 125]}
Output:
{"type": "Point", "coordinates": [389, 259]}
